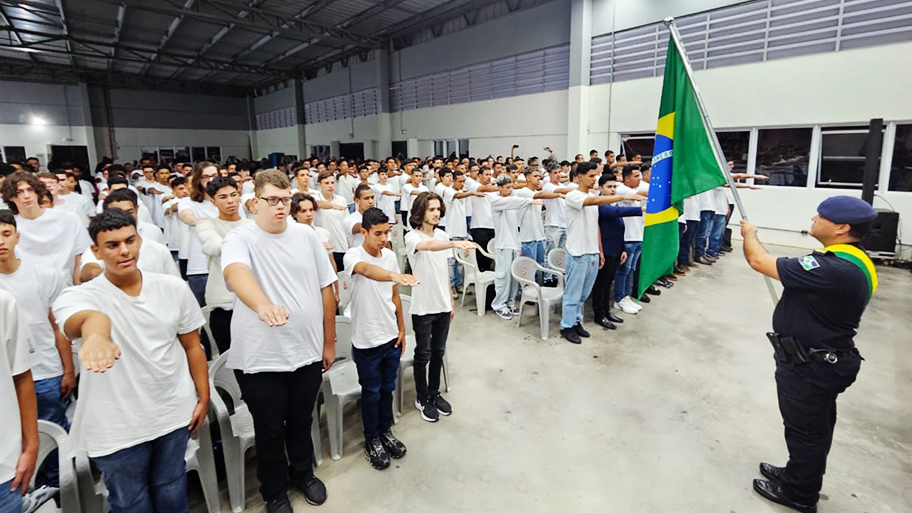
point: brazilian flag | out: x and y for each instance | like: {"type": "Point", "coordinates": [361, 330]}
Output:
{"type": "Point", "coordinates": [683, 165]}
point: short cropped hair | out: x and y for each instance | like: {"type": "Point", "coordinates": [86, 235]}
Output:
{"type": "Point", "coordinates": [360, 189]}
{"type": "Point", "coordinates": [121, 195]}
{"type": "Point", "coordinates": [7, 217]}
{"type": "Point", "coordinates": [112, 219]}
{"type": "Point", "coordinates": [628, 170]}
{"type": "Point", "coordinates": [606, 177]}
{"type": "Point", "coordinates": [272, 177]}
{"type": "Point", "coordinates": [372, 217]}
{"type": "Point", "coordinates": [177, 181]}
{"type": "Point", "coordinates": [504, 179]}
{"type": "Point", "coordinates": [324, 175]}
{"type": "Point", "coordinates": [219, 183]}
{"type": "Point", "coordinates": [860, 231]}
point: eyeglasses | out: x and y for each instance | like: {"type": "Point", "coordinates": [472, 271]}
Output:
{"type": "Point", "coordinates": [274, 200]}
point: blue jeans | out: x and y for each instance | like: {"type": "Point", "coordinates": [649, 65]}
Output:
{"type": "Point", "coordinates": [536, 251]}
{"type": "Point", "coordinates": [715, 234]}
{"type": "Point", "coordinates": [702, 235]}
{"type": "Point", "coordinates": [10, 501]}
{"type": "Point", "coordinates": [455, 268]}
{"type": "Point", "coordinates": [556, 237]}
{"type": "Point", "coordinates": [377, 371]}
{"type": "Point", "coordinates": [504, 284]}
{"type": "Point", "coordinates": [581, 273]}
{"type": "Point", "coordinates": [688, 236]}
{"type": "Point", "coordinates": [51, 408]}
{"type": "Point", "coordinates": [197, 284]}
{"type": "Point", "coordinates": [623, 280]}
{"type": "Point", "coordinates": [150, 477]}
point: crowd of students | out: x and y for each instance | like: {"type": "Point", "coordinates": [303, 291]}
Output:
{"type": "Point", "coordinates": [126, 261]}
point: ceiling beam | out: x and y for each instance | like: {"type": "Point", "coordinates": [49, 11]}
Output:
{"type": "Point", "coordinates": [14, 33]}
{"type": "Point", "coordinates": [118, 28]}
{"type": "Point", "coordinates": [172, 28]}
{"type": "Point", "coordinates": [63, 22]}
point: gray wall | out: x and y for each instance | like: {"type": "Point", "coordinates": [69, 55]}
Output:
{"type": "Point", "coordinates": [56, 104]}
{"type": "Point", "coordinates": [542, 27]}
{"type": "Point", "coordinates": [179, 111]}
{"type": "Point", "coordinates": [281, 99]}
{"type": "Point", "coordinates": [634, 13]}
{"type": "Point", "coordinates": [364, 75]}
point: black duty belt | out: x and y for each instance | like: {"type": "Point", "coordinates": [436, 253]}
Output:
{"type": "Point", "coordinates": [790, 350]}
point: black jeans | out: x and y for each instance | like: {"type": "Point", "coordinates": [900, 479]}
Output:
{"type": "Point", "coordinates": [601, 291]}
{"type": "Point", "coordinates": [220, 324]}
{"type": "Point", "coordinates": [807, 401]}
{"type": "Point", "coordinates": [482, 236]}
{"type": "Point", "coordinates": [339, 257]}
{"type": "Point", "coordinates": [281, 404]}
{"type": "Point", "coordinates": [430, 345]}
{"type": "Point", "coordinates": [377, 371]}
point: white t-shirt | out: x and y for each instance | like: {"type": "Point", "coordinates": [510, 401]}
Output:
{"type": "Point", "coordinates": [345, 187]}
{"type": "Point", "coordinates": [482, 217]}
{"type": "Point", "coordinates": [291, 267]}
{"type": "Point", "coordinates": [720, 200]}
{"type": "Point", "coordinates": [35, 288]}
{"type": "Point", "coordinates": [196, 260]}
{"type": "Point", "coordinates": [373, 313]}
{"type": "Point", "coordinates": [430, 268]}
{"type": "Point", "coordinates": [469, 186]}
{"type": "Point", "coordinates": [455, 215]}
{"type": "Point", "coordinates": [407, 197]}
{"type": "Point", "coordinates": [149, 231]}
{"type": "Point", "coordinates": [633, 225]}
{"type": "Point", "coordinates": [582, 225]}
{"type": "Point", "coordinates": [385, 203]}
{"type": "Point", "coordinates": [53, 239]}
{"type": "Point", "coordinates": [323, 234]}
{"type": "Point", "coordinates": [705, 201]}
{"type": "Point", "coordinates": [149, 391]}
{"type": "Point", "coordinates": [72, 206]}
{"type": "Point", "coordinates": [333, 221]}
{"type": "Point", "coordinates": [506, 212]}
{"type": "Point", "coordinates": [85, 204]}
{"type": "Point", "coordinates": [555, 209]}
{"type": "Point", "coordinates": [175, 229]}
{"type": "Point", "coordinates": [17, 356]}
{"type": "Point", "coordinates": [154, 257]}
{"type": "Point", "coordinates": [691, 209]}
{"type": "Point", "coordinates": [531, 227]}
{"type": "Point", "coordinates": [354, 239]}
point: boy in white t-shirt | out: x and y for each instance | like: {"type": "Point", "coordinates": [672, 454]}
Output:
{"type": "Point", "coordinates": [364, 199]}
{"type": "Point", "coordinates": [410, 190]}
{"type": "Point", "coordinates": [378, 333]}
{"type": "Point", "coordinates": [140, 402]}
{"type": "Point", "coordinates": [35, 288]}
{"type": "Point", "coordinates": [19, 427]}
{"type": "Point", "coordinates": [332, 209]}
{"type": "Point", "coordinates": [386, 195]}
{"type": "Point", "coordinates": [283, 337]}
{"type": "Point", "coordinates": [506, 209]}
{"type": "Point", "coordinates": [432, 305]}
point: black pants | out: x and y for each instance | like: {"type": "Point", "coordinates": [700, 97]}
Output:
{"type": "Point", "coordinates": [281, 404]}
{"type": "Point", "coordinates": [338, 257]}
{"type": "Point", "coordinates": [601, 291]}
{"type": "Point", "coordinates": [220, 324]}
{"type": "Point", "coordinates": [482, 236]}
{"type": "Point", "coordinates": [807, 401]}
{"type": "Point", "coordinates": [727, 237]}
{"type": "Point", "coordinates": [430, 345]}
{"type": "Point", "coordinates": [182, 265]}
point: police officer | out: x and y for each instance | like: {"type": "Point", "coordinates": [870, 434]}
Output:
{"type": "Point", "coordinates": [815, 321]}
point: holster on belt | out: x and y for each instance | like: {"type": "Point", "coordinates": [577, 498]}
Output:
{"type": "Point", "coordinates": [788, 349]}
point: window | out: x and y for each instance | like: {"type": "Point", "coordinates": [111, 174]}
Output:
{"type": "Point", "coordinates": [638, 144]}
{"type": "Point", "coordinates": [783, 155]}
{"type": "Point", "coordinates": [901, 168]}
{"type": "Point", "coordinates": [149, 153]}
{"type": "Point", "coordinates": [463, 148]}
{"type": "Point", "coordinates": [321, 151]}
{"type": "Point", "coordinates": [198, 153]}
{"type": "Point", "coordinates": [214, 153]}
{"type": "Point", "coordinates": [166, 154]}
{"type": "Point", "coordinates": [400, 149]}
{"type": "Point", "coordinates": [842, 157]}
{"type": "Point", "coordinates": [182, 154]}
{"type": "Point", "coordinates": [735, 147]}
{"type": "Point", "coordinates": [13, 154]}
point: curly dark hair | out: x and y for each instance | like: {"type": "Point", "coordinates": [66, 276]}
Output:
{"type": "Point", "coordinates": [10, 187]}
{"type": "Point", "coordinates": [419, 207]}
{"type": "Point", "coordinates": [111, 219]}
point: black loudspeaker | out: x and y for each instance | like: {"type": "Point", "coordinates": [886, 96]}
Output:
{"type": "Point", "coordinates": [882, 238]}
{"type": "Point", "coordinates": [872, 160]}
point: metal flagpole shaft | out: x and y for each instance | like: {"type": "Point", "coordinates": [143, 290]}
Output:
{"type": "Point", "coordinates": [714, 139]}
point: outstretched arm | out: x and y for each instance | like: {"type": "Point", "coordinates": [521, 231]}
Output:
{"type": "Point", "coordinates": [759, 259]}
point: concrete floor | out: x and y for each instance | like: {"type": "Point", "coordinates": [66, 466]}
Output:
{"type": "Point", "coordinates": [670, 413]}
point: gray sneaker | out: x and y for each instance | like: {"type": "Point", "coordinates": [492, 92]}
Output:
{"type": "Point", "coordinates": [37, 497]}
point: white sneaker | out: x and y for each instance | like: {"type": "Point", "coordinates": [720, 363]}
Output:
{"type": "Point", "coordinates": [636, 304]}
{"type": "Point", "coordinates": [34, 499]}
{"type": "Point", "coordinates": [625, 306]}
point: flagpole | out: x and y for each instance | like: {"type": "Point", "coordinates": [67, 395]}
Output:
{"type": "Point", "coordinates": [714, 139]}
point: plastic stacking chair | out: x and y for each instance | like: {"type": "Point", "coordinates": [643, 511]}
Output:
{"type": "Point", "coordinates": [490, 249]}
{"type": "Point", "coordinates": [50, 437]}
{"type": "Point", "coordinates": [340, 386]}
{"type": "Point", "coordinates": [208, 330]}
{"type": "Point", "coordinates": [397, 239]}
{"type": "Point", "coordinates": [523, 270]}
{"type": "Point", "coordinates": [557, 260]}
{"type": "Point", "coordinates": [344, 290]}
{"type": "Point", "coordinates": [408, 359]}
{"type": "Point", "coordinates": [236, 426]}
{"type": "Point", "coordinates": [478, 279]}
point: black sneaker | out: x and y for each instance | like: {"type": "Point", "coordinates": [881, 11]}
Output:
{"type": "Point", "coordinates": [313, 489]}
{"type": "Point", "coordinates": [571, 336]}
{"type": "Point", "coordinates": [394, 447]}
{"type": "Point", "coordinates": [443, 407]}
{"type": "Point", "coordinates": [376, 454]}
{"type": "Point", "coordinates": [279, 505]}
{"type": "Point", "coordinates": [428, 410]}
{"type": "Point", "coordinates": [581, 331]}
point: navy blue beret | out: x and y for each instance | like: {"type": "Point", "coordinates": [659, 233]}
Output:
{"type": "Point", "coordinates": [846, 210]}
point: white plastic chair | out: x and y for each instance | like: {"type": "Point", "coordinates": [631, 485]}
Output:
{"type": "Point", "coordinates": [523, 270]}
{"type": "Point", "coordinates": [557, 260]}
{"type": "Point", "coordinates": [473, 276]}
{"type": "Point", "coordinates": [340, 386]}
{"type": "Point", "coordinates": [397, 239]}
{"type": "Point", "coordinates": [208, 330]}
{"type": "Point", "coordinates": [237, 429]}
{"type": "Point", "coordinates": [408, 359]}
{"type": "Point", "coordinates": [490, 249]}
{"type": "Point", "coordinates": [199, 457]}
{"type": "Point", "coordinates": [344, 290]}
{"type": "Point", "coordinates": [50, 437]}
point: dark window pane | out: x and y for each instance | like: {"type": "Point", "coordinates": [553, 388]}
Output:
{"type": "Point", "coordinates": [783, 155]}
{"type": "Point", "coordinates": [198, 153]}
{"type": "Point", "coordinates": [901, 168]}
{"type": "Point", "coordinates": [14, 153]}
{"type": "Point", "coordinates": [149, 153]}
{"type": "Point", "coordinates": [842, 159]}
{"type": "Point", "coordinates": [214, 153]}
{"type": "Point", "coordinates": [641, 145]}
{"type": "Point", "coordinates": [183, 154]}
{"type": "Point", "coordinates": [735, 147]}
